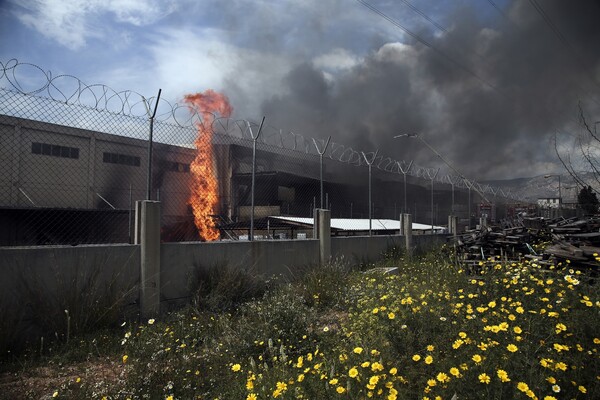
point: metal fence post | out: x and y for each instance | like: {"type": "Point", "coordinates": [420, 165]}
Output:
{"type": "Point", "coordinates": [254, 139]}
{"type": "Point", "coordinates": [370, 164]}
{"type": "Point", "coordinates": [321, 152]}
{"type": "Point", "coordinates": [150, 144]}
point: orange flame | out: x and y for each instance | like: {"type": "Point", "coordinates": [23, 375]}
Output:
{"type": "Point", "coordinates": [204, 197]}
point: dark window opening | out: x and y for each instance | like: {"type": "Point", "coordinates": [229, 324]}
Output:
{"type": "Point", "coordinates": [54, 150]}
{"type": "Point", "coordinates": [122, 159]}
{"type": "Point", "coordinates": [177, 166]}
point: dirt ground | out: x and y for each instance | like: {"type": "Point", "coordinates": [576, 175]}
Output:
{"type": "Point", "coordinates": [42, 382]}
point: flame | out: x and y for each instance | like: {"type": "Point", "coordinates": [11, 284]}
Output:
{"type": "Point", "coordinates": [204, 197]}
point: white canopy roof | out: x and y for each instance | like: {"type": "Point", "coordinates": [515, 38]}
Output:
{"type": "Point", "coordinates": [355, 224]}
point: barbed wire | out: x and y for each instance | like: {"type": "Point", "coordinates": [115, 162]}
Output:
{"type": "Point", "coordinates": [71, 90]}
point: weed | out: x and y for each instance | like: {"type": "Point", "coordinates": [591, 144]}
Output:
{"type": "Point", "coordinates": [222, 287]}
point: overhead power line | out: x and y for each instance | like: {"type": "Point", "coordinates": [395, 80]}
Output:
{"type": "Point", "coordinates": [422, 14]}
{"type": "Point", "coordinates": [499, 9]}
{"type": "Point", "coordinates": [429, 45]}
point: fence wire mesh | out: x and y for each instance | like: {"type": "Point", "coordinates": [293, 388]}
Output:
{"type": "Point", "coordinates": [74, 160]}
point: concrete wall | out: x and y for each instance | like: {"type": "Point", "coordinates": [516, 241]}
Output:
{"type": "Point", "coordinates": [54, 267]}
{"type": "Point", "coordinates": [66, 268]}
{"type": "Point", "coordinates": [267, 258]}
{"type": "Point", "coordinates": [365, 249]}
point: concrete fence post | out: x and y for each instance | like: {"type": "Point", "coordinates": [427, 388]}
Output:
{"type": "Point", "coordinates": [147, 235]}
{"type": "Point", "coordinates": [453, 225]}
{"type": "Point", "coordinates": [483, 222]}
{"type": "Point", "coordinates": [322, 225]}
{"type": "Point", "coordinates": [407, 233]}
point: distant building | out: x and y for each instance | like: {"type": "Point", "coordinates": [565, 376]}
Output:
{"type": "Point", "coordinates": [548, 202]}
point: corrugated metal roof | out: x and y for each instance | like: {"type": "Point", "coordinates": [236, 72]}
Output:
{"type": "Point", "coordinates": [354, 224]}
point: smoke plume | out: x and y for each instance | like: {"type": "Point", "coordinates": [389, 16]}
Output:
{"type": "Point", "coordinates": [489, 92]}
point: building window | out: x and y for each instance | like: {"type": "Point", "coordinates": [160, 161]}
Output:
{"type": "Point", "coordinates": [177, 166]}
{"type": "Point", "coordinates": [123, 159]}
{"type": "Point", "coordinates": [54, 150]}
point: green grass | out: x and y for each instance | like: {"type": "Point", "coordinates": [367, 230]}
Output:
{"type": "Point", "coordinates": [431, 331]}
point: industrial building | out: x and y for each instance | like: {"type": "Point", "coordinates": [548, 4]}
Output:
{"type": "Point", "coordinates": [61, 184]}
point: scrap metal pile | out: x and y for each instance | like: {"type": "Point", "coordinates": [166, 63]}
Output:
{"type": "Point", "coordinates": [550, 242]}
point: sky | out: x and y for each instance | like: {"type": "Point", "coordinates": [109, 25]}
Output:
{"type": "Point", "coordinates": [488, 84]}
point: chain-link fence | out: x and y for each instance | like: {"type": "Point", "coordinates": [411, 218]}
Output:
{"type": "Point", "coordinates": [73, 164]}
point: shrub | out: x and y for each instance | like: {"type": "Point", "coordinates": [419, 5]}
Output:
{"type": "Point", "coordinates": [222, 287]}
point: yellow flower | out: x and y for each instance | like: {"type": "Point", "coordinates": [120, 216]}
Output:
{"type": "Point", "coordinates": [151, 321]}
{"type": "Point", "coordinates": [517, 330]}
{"type": "Point", "coordinates": [556, 388]}
{"type": "Point", "coordinates": [251, 396]}
{"type": "Point", "coordinates": [340, 389]}
{"type": "Point", "coordinates": [391, 315]}
{"type": "Point", "coordinates": [353, 373]}
{"type": "Point", "coordinates": [596, 340]}
{"type": "Point", "coordinates": [442, 377]}
{"type": "Point", "coordinates": [549, 398]}
{"type": "Point", "coordinates": [484, 378]}
{"type": "Point", "coordinates": [236, 367]}
{"type": "Point", "coordinates": [125, 357]}
{"type": "Point", "coordinates": [416, 357]}
{"type": "Point", "coordinates": [358, 350]}
{"type": "Point", "coordinates": [512, 348]}
{"type": "Point", "coordinates": [503, 375]}
{"type": "Point", "coordinates": [522, 386]}
{"type": "Point", "coordinates": [373, 380]}
{"type": "Point", "coordinates": [78, 380]}
{"type": "Point", "coordinates": [561, 365]}
{"type": "Point", "coordinates": [428, 360]}
{"type": "Point", "coordinates": [169, 397]}
{"type": "Point", "coordinates": [55, 394]}
{"type": "Point", "coordinates": [546, 362]}
{"type": "Point", "coordinates": [477, 358]}
{"type": "Point", "coordinates": [333, 381]}
{"type": "Point", "coordinates": [582, 389]}
{"type": "Point", "coordinates": [560, 328]}
{"type": "Point", "coordinates": [376, 367]}
{"type": "Point", "coordinates": [454, 371]}
{"type": "Point", "coordinates": [431, 382]}
{"type": "Point", "coordinates": [430, 347]}
{"type": "Point", "coordinates": [393, 371]}
{"type": "Point", "coordinates": [560, 347]}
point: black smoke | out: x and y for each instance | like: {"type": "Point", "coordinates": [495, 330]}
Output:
{"type": "Point", "coordinates": [489, 93]}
